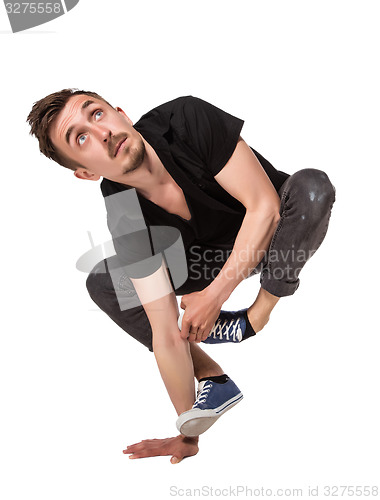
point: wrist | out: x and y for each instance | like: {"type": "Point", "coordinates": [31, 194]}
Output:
{"type": "Point", "coordinates": [187, 439]}
{"type": "Point", "coordinates": [220, 290]}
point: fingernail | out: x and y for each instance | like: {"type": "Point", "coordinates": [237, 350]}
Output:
{"type": "Point", "coordinates": [174, 460]}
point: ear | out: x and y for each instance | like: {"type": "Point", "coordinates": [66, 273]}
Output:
{"type": "Point", "coordinates": [83, 173]}
{"type": "Point", "coordinates": [119, 110]}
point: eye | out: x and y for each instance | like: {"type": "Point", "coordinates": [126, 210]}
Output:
{"type": "Point", "coordinates": [98, 114]}
{"type": "Point", "coordinates": [81, 139]}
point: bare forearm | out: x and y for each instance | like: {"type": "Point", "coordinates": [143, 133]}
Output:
{"type": "Point", "coordinates": [176, 369]}
{"type": "Point", "coordinates": [172, 352]}
{"type": "Point", "coordinates": [251, 244]}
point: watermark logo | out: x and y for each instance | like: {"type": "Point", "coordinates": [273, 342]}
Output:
{"type": "Point", "coordinates": [26, 15]}
{"type": "Point", "coordinates": [135, 251]}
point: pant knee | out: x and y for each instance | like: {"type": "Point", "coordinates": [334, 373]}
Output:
{"type": "Point", "coordinates": [111, 293]}
{"type": "Point", "coordinates": [98, 280]}
{"type": "Point", "coordinates": [314, 191]}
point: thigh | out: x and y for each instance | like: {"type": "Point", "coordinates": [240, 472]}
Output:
{"type": "Point", "coordinates": [115, 295]}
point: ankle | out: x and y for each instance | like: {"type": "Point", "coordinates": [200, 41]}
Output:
{"type": "Point", "coordinates": [265, 302]}
{"type": "Point", "coordinates": [210, 372]}
{"type": "Point", "coordinates": [257, 319]}
{"type": "Point", "coordinates": [259, 312]}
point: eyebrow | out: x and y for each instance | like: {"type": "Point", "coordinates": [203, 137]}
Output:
{"type": "Point", "coordinates": [85, 105]}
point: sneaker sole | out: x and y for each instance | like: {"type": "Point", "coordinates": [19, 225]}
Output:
{"type": "Point", "coordinates": [195, 422]}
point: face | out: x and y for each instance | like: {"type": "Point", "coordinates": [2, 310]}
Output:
{"type": "Point", "coordinates": [99, 137]}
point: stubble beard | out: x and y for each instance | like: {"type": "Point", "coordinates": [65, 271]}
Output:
{"type": "Point", "coordinates": [136, 155]}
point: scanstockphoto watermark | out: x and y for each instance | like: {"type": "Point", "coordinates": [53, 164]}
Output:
{"type": "Point", "coordinates": [234, 491]}
{"type": "Point", "coordinates": [246, 491]}
{"type": "Point", "coordinates": [26, 15]}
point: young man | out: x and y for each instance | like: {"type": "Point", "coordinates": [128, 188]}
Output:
{"type": "Point", "coordinates": [186, 166]}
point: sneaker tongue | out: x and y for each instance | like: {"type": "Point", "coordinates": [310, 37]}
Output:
{"type": "Point", "coordinates": [201, 385]}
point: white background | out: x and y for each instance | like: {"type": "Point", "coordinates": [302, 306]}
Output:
{"type": "Point", "coordinates": [75, 388]}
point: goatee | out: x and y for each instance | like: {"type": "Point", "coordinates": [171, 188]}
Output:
{"type": "Point", "coordinates": [137, 155]}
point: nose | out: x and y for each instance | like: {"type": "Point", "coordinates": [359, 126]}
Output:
{"type": "Point", "coordinates": [102, 133]}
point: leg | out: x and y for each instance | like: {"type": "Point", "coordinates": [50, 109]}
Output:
{"type": "Point", "coordinates": [259, 312]}
{"type": "Point", "coordinates": [224, 395]}
{"type": "Point", "coordinates": [307, 198]}
{"type": "Point", "coordinates": [134, 320]}
{"type": "Point", "coordinates": [216, 395]}
{"type": "Point", "coordinates": [204, 366]}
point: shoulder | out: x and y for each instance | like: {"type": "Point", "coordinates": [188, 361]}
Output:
{"type": "Point", "coordinates": [179, 105]}
{"type": "Point", "coordinates": [158, 119]}
{"type": "Point", "coordinates": [169, 106]}
{"type": "Point", "coordinates": [178, 115]}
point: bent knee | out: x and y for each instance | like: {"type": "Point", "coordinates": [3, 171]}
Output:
{"type": "Point", "coordinates": [314, 189]}
{"type": "Point", "coordinates": [98, 279]}
{"type": "Point", "coordinates": [102, 287]}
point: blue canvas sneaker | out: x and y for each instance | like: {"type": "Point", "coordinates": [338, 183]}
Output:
{"type": "Point", "coordinates": [231, 326]}
{"type": "Point", "coordinates": [212, 401]}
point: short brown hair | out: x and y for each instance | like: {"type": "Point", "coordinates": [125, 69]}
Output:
{"type": "Point", "coordinates": [43, 114]}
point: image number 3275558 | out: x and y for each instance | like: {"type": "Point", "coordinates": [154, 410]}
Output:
{"type": "Point", "coordinates": [26, 15]}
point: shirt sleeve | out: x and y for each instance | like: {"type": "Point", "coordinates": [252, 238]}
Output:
{"type": "Point", "coordinates": [211, 132]}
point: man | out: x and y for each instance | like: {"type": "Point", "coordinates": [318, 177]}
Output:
{"type": "Point", "coordinates": [189, 169]}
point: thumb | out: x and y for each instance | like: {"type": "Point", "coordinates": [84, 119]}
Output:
{"type": "Point", "coordinates": [175, 460]}
{"type": "Point", "coordinates": [184, 300]}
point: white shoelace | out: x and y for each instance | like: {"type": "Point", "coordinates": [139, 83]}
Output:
{"type": "Point", "coordinates": [202, 395]}
{"type": "Point", "coordinates": [233, 331]}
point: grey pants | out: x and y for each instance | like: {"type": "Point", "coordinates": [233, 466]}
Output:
{"type": "Point", "coordinates": [307, 198]}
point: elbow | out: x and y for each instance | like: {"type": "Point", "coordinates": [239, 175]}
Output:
{"type": "Point", "coordinates": [272, 213]}
{"type": "Point", "coordinates": [273, 210]}
{"type": "Point", "coordinates": [170, 341]}
{"type": "Point", "coordinates": [276, 216]}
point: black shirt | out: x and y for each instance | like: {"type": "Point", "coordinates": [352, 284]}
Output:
{"type": "Point", "coordinates": [194, 140]}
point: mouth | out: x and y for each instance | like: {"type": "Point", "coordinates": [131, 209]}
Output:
{"type": "Point", "coordinates": [119, 145]}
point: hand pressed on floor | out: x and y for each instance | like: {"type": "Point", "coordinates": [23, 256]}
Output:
{"type": "Point", "coordinates": [179, 447]}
